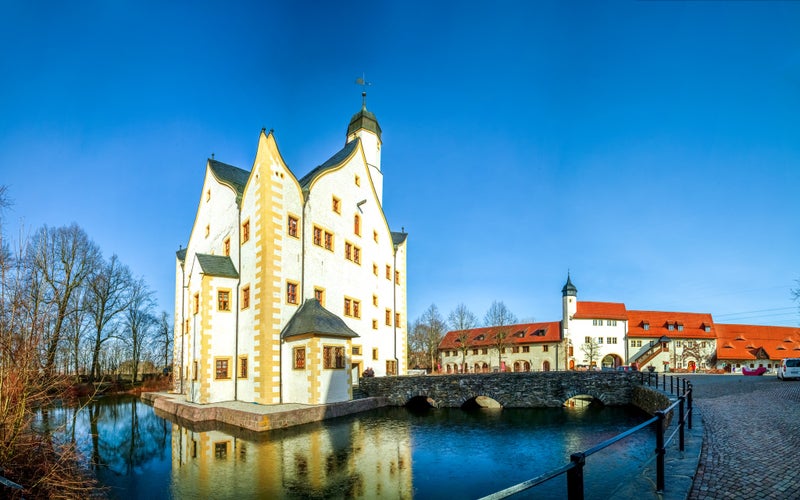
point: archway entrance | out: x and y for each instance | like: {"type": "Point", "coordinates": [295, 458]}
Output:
{"type": "Point", "coordinates": [611, 362]}
{"type": "Point", "coordinates": [545, 366]}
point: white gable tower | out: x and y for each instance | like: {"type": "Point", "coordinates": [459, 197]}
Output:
{"type": "Point", "coordinates": [365, 126]}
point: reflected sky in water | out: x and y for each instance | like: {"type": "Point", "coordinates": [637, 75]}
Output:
{"type": "Point", "coordinates": [391, 452]}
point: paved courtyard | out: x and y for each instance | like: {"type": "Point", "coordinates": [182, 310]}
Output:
{"type": "Point", "coordinates": [752, 437]}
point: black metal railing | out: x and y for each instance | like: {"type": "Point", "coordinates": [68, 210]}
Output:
{"type": "Point", "coordinates": [680, 388]}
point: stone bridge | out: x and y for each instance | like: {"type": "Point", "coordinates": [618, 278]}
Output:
{"type": "Point", "coordinates": [511, 390]}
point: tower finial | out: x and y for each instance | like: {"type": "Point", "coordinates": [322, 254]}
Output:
{"type": "Point", "coordinates": [362, 80]}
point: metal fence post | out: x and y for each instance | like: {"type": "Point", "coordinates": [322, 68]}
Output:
{"type": "Point", "coordinates": [575, 477]}
{"type": "Point", "coordinates": [689, 401]}
{"type": "Point", "coordinates": [681, 423]}
{"type": "Point", "coordinates": [660, 451]}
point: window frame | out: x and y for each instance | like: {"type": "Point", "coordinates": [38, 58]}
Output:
{"type": "Point", "coordinates": [292, 288]}
{"type": "Point", "coordinates": [218, 363]}
{"type": "Point", "coordinates": [227, 303]}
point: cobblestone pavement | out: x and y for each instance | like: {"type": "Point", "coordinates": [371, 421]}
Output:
{"type": "Point", "coordinates": [752, 437]}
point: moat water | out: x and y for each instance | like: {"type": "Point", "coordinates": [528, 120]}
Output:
{"type": "Point", "coordinates": [387, 453]}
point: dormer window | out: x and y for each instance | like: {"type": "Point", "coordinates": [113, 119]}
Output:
{"type": "Point", "coordinates": [480, 337]}
{"type": "Point", "coordinates": [520, 334]}
{"type": "Point", "coordinates": [706, 328]}
{"type": "Point", "coordinates": [646, 326]}
{"type": "Point", "coordinates": [680, 327]}
{"type": "Point", "coordinates": [670, 326]}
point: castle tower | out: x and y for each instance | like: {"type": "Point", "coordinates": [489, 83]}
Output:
{"type": "Point", "coordinates": [569, 303]}
{"type": "Point", "coordinates": [364, 125]}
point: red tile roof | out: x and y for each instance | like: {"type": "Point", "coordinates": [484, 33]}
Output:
{"type": "Point", "coordinates": [744, 342]}
{"type": "Point", "coordinates": [527, 333]}
{"type": "Point", "coordinates": [600, 310]}
{"type": "Point", "coordinates": [693, 325]}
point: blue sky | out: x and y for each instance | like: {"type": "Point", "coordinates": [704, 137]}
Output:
{"type": "Point", "coordinates": [651, 148]}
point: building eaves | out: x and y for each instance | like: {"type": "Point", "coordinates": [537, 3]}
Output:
{"type": "Point", "coordinates": [217, 265]}
{"type": "Point", "coordinates": [333, 161]}
{"type": "Point", "coordinates": [313, 319]}
{"type": "Point", "coordinates": [234, 177]}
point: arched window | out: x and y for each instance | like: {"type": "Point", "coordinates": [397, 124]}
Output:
{"type": "Point", "coordinates": [477, 367]}
{"type": "Point", "coordinates": [485, 368]}
{"type": "Point", "coordinates": [526, 367]}
{"type": "Point", "coordinates": [546, 366]}
{"type": "Point", "coordinates": [517, 366]}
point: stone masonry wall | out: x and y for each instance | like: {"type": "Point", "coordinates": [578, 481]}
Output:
{"type": "Point", "coordinates": [511, 390]}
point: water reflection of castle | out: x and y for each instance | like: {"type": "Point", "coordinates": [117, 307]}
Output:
{"type": "Point", "coordinates": [347, 459]}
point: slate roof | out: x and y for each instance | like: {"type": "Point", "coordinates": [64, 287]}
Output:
{"type": "Point", "coordinates": [525, 333]}
{"type": "Point", "coordinates": [659, 321]}
{"type": "Point", "coordinates": [217, 265]}
{"type": "Point", "coordinates": [398, 238]}
{"type": "Point", "coordinates": [746, 342]}
{"type": "Point", "coordinates": [234, 177]}
{"type": "Point", "coordinates": [332, 162]}
{"type": "Point", "coordinates": [312, 318]}
{"type": "Point", "coordinates": [364, 119]}
{"type": "Point", "coordinates": [600, 310]}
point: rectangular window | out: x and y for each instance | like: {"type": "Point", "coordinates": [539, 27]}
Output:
{"type": "Point", "coordinates": [245, 231]}
{"type": "Point", "coordinates": [515, 349]}
{"type": "Point", "coordinates": [636, 343]}
{"type": "Point", "coordinates": [357, 225]}
{"type": "Point", "coordinates": [299, 358]}
{"type": "Point", "coordinates": [374, 300]}
{"type": "Point", "coordinates": [474, 351]}
{"type": "Point", "coordinates": [587, 340]}
{"type": "Point", "coordinates": [221, 450]}
{"type": "Point", "coordinates": [670, 327]}
{"type": "Point", "coordinates": [646, 326]}
{"type": "Point", "coordinates": [352, 307]}
{"type": "Point", "coordinates": [358, 181]}
{"type": "Point", "coordinates": [208, 230]}
{"type": "Point", "coordinates": [680, 328]}
{"type": "Point", "coordinates": [291, 292]}
{"type": "Point", "coordinates": [388, 317]}
{"type": "Point", "coordinates": [374, 324]}
{"type": "Point", "coordinates": [357, 255]}
{"type": "Point", "coordinates": [597, 322]}
{"type": "Point", "coordinates": [245, 297]}
{"type": "Point", "coordinates": [397, 277]}
{"type": "Point", "coordinates": [226, 247]}
{"type": "Point", "coordinates": [485, 350]}
{"type": "Point", "coordinates": [397, 319]}
{"type": "Point", "coordinates": [374, 269]}
{"type": "Point", "coordinates": [333, 357]}
{"type": "Point", "coordinates": [391, 367]}
{"type": "Point", "coordinates": [375, 235]}
{"type": "Point", "coordinates": [196, 305]}
{"type": "Point", "coordinates": [221, 369]}
{"type": "Point", "coordinates": [194, 370]}
{"type": "Point", "coordinates": [328, 241]}
{"type": "Point", "coordinates": [348, 250]}
{"type": "Point", "coordinates": [336, 205]}
{"type": "Point", "coordinates": [319, 294]}
{"type": "Point", "coordinates": [374, 353]}
{"type": "Point", "coordinates": [291, 226]}
{"type": "Point", "coordinates": [599, 340]}
{"type": "Point", "coordinates": [611, 340]}
{"type": "Point", "coordinates": [388, 272]}
{"type": "Point", "coordinates": [526, 348]}
{"type": "Point", "coordinates": [242, 366]}
{"type": "Point", "coordinates": [545, 348]}
{"type": "Point", "coordinates": [224, 300]}
{"type": "Point", "coordinates": [317, 234]}
{"type": "Point", "coordinates": [356, 350]}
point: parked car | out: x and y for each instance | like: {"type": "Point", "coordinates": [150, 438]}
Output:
{"type": "Point", "coordinates": [790, 368]}
{"type": "Point", "coordinates": [627, 368]}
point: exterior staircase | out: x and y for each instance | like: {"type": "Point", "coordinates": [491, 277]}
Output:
{"type": "Point", "coordinates": [651, 353]}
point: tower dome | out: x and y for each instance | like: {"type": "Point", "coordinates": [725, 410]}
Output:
{"type": "Point", "coordinates": [364, 119]}
{"type": "Point", "coordinates": [569, 289]}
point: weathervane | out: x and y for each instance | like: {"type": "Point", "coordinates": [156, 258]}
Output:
{"type": "Point", "coordinates": [362, 80]}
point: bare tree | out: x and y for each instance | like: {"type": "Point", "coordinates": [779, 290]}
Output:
{"type": "Point", "coordinates": [461, 319]}
{"type": "Point", "coordinates": [164, 339]}
{"type": "Point", "coordinates": [500, 318]}
{"type": "Point", "coordinates": [63, 258]}
{"type": "Point", "coordinates": [108, 294]}
{"type": "Point", "coordinates": [427, 332]}
{"type": "Point", "coordinates": [592, 350]}
{"type": "Point", "coordinates": [139, 322]}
